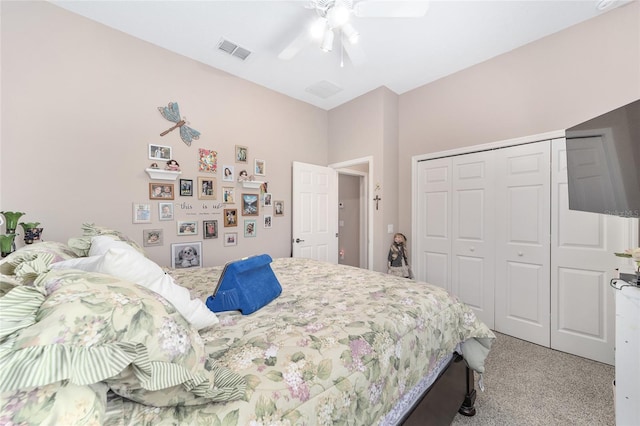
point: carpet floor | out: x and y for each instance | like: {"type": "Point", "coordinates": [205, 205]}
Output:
{"type": "Point", "coordinates": [527, 384]}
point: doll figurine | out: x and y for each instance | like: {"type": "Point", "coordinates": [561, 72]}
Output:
{"type": "Point", "coordinates": [173, 166]}
{"type": "Point", "coordinates": [397, 260]}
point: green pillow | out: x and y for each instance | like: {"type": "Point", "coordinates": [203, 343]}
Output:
{"type": "Point", "coordinates": [94, 327]}
{"type": "Point", "coordinates": [47, 251]}
{"type": "Point", "coordinates": [81, 245]}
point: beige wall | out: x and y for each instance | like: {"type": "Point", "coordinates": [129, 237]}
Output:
{"type": "Point", "coordinates": [548, 85]}
{"type": "Point", "coordinates": [368, 126]}
{"type": "Point", "coordinates": [349, 218]}
{"type": "Point", "coordinates": [80, 108]}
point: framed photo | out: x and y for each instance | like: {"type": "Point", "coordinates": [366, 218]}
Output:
{"type": "Point", "coordinates": [207, 188]}
{"type": "Point", "coordinates": [186, 255]}
{"type": "Point", "coordinates": [187, 227]}
{"type": "Point", "coordinates": [209, 229]}
{"type": "Point", "coordinates": [228, 173]}
{"type": "Point", "coordinates": [230, 239]}
{"type": "Point", "coordinates": [186, 187]}
{"type": "Point", "coordinates": [141, 213]}
{"type": "Point", "coordinates": [259, 167]}
{"type": "Point", "coordinates": [267, 221]}
{"type": "Point", "coordinates": [250, 205]}
{"type": "Point", "coordinates": [161, 191]}
{"type": "Point", "coordinates": [242, 153]}
{"type": "Point", "coordinates": [250, 228]}
{"type": "Point", "coordinates": [208, 161]}
{"type": "Point", "coordinates": [278, 208]}
{"type": "Point", "coordinates": [228, 194]}
{"type": "Point", "coordinates": [152, 237]}
{"type": "Point", "coordinates": [230, 217]}
{"type": "Point", "coordinates": [159, 152]}
{"type": "Point", "coordinates": [165, 211]}
{"type": "Point", "coordinates": [266, 199]}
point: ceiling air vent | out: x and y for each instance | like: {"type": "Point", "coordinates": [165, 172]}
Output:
{"type": "Point", "coordinates": [233, 49]}
{"type": "Point", "coordinates": [324, 89]}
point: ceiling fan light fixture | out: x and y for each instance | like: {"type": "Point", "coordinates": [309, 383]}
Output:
{"type": "Point", "coordinates": [350, 33]}
{"type": "Point", "coordinates": [327, 41]}
{"type": "Point", "coordinates": [317, 28]}
{"type": "Point", "coordinates": [338, 15]}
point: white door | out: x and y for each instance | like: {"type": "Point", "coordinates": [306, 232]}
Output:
{"type": "Point", "coordinates": [315, 212]}
{"type": "Point", "coordinates": [522, 242]}
{"type": "Point", "coordinates": [472, 243]}
{"type": "Point", "coordinates": [582, 265]}
{"type": "Point", "coordinates": [432, 224]}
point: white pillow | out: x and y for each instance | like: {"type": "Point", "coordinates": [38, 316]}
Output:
{"type": "Point", "coordinates": [101, 243]}
{"type": "Point", "coordinates": [129, 264]}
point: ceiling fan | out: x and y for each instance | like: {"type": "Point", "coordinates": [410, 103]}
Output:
{"type": "Point", "coordinates": [334, 19]}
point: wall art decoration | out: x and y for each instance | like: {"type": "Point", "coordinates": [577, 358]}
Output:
{"type": "Point", "coordinates": [228, 173]}
{"type": "Point", "coordinates": [259, 167]}
{"type": "Point", "coordinates": [186, 255]}
{"type": "Point", "coordinates": [250, 228]}
{"type": "Point", "coordinates": [186, 187]}
{"type": "Point", "coordinates": [152, 237]}
{"type": "Point", "coordinates": [207, 188]}
{"type": "Point", "coordinates": [161, 191]}
{"type": "Point", "coordinates": [159, 152]}
{"type": "Point", "coordinates": [208, 161]}
{"type": "Point", "coordinates": [278, 208]}
{"type": "Point", "coordinates": [209, 229]}
{"type": "Point", "coordinates": [250, 205]}
{"type": "Point", "coordinates": [228, 194]}
{"type": "Point", "coordinates": [230, 217]}
{"type": "Point", "coordinates": [187, 227]}
{"type": "Point", "coordinates": [230, 239]}
{"type": "Point", "coordinates": [242, 154]}
{"type": "Point", "coordinates": [267, 221]}
{"type": "Point", "coordinates": [165, 211]}
{"type": "Point", "coordinates": [267, 199]}
{"type": "Point", "coordinates": [172, 113]}
{"type": "Point", "coordinates": [141, 213]}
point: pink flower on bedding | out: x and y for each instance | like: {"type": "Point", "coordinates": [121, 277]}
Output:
{"type": "Point", "coordinates": [359, 349]}
{"type": "Point", "coordinates": [293, 378]}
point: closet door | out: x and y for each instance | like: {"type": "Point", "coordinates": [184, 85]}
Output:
{"type": "Point", "coordinates": [522, 242]}
{"type": "Point", "coordinates": [433, 226]}
{"type": "Point", "coordinates": [472, 244]}
{"type": "Point", "coordinates": [582, 265]}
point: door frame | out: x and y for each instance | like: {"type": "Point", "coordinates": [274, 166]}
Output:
{"type": "Point", "coordinates": [366, 210]}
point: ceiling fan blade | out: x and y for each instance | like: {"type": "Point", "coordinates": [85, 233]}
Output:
{"type": "Point", "coordinates": [298, 43]}
{"type": "Point", "coordinates": [391, 8]}
{"type": "Point", "coordinates": [354, 51]}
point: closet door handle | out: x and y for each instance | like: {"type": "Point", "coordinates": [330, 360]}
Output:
{"type": "Point", "coordinates": [520, 254]}
{"type": "Point", "coordinates": [472, 248]}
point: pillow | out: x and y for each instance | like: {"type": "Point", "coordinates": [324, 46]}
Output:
{"type": "Point", "coordinates": [56, 252]}
{"type": "Point", "coordinates": [94, 327]}
{"type": "Point", "coordinates": [130, 265]}
{"type": "Point", "coordinates": [102, 243]}
{"type": "Point", "coordinates": [82, 245]}
{"type": "Point", "coordinates": [60, 403]}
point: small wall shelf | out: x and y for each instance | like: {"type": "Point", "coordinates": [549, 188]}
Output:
{"type": "Point", "coordinates": [252, 184]}
{"type": "Point", "coordinates": [159, 174]}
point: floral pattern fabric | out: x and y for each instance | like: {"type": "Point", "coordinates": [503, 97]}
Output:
{"type": "Point", "coordinates": [340, 345]}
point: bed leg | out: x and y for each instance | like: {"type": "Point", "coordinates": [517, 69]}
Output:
{"type": "Point", "coordinates": [467, 408]}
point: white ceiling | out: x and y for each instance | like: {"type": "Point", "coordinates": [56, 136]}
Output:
{"type": "Point", "coordinates": [400, 53]}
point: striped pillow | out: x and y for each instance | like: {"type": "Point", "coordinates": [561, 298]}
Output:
{"type": "Point", "coordinates": [88, 327]}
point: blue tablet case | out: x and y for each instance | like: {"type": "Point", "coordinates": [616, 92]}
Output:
{"type": "Point", "coordinates": [245, 285]}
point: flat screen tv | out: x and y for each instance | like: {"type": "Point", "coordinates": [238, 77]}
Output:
{"type": "Point", "coordinates": [603, 163]}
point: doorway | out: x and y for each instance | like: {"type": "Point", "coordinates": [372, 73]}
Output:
{"type": "Point", "coordinates": [354, 212]}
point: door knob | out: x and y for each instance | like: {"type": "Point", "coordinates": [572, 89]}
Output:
{"type": "Point", "coordinates": [298, 240]}
{"type": "Point", "coordinates": [520, 253]}
{"type": "Point", "coordinates": [472, 249]}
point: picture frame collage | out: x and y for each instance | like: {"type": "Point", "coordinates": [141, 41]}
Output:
{"type": "Point", "coordinates": [254, 208]}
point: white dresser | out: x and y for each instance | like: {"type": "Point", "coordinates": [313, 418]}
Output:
{"type": "Point", "coordinates": [627, 355]}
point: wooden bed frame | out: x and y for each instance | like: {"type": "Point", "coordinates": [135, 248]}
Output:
{"type": "Point", "coordinates": [452, 392]}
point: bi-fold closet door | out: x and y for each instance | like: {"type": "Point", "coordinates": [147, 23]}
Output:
{"type": "Point", "coordinates": [494, 228]}
{"type": "Point", "coordinates": [482, 225]}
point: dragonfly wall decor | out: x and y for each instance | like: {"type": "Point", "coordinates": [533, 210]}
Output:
{"type": "Point", "coordinates": [172, 113]}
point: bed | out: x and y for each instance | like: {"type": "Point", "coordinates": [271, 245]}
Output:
{"type": "Point", "coordinates": [340, 345]}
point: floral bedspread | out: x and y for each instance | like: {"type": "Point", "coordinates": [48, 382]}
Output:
{"type": "Point", "coordinates": [340, 345]}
